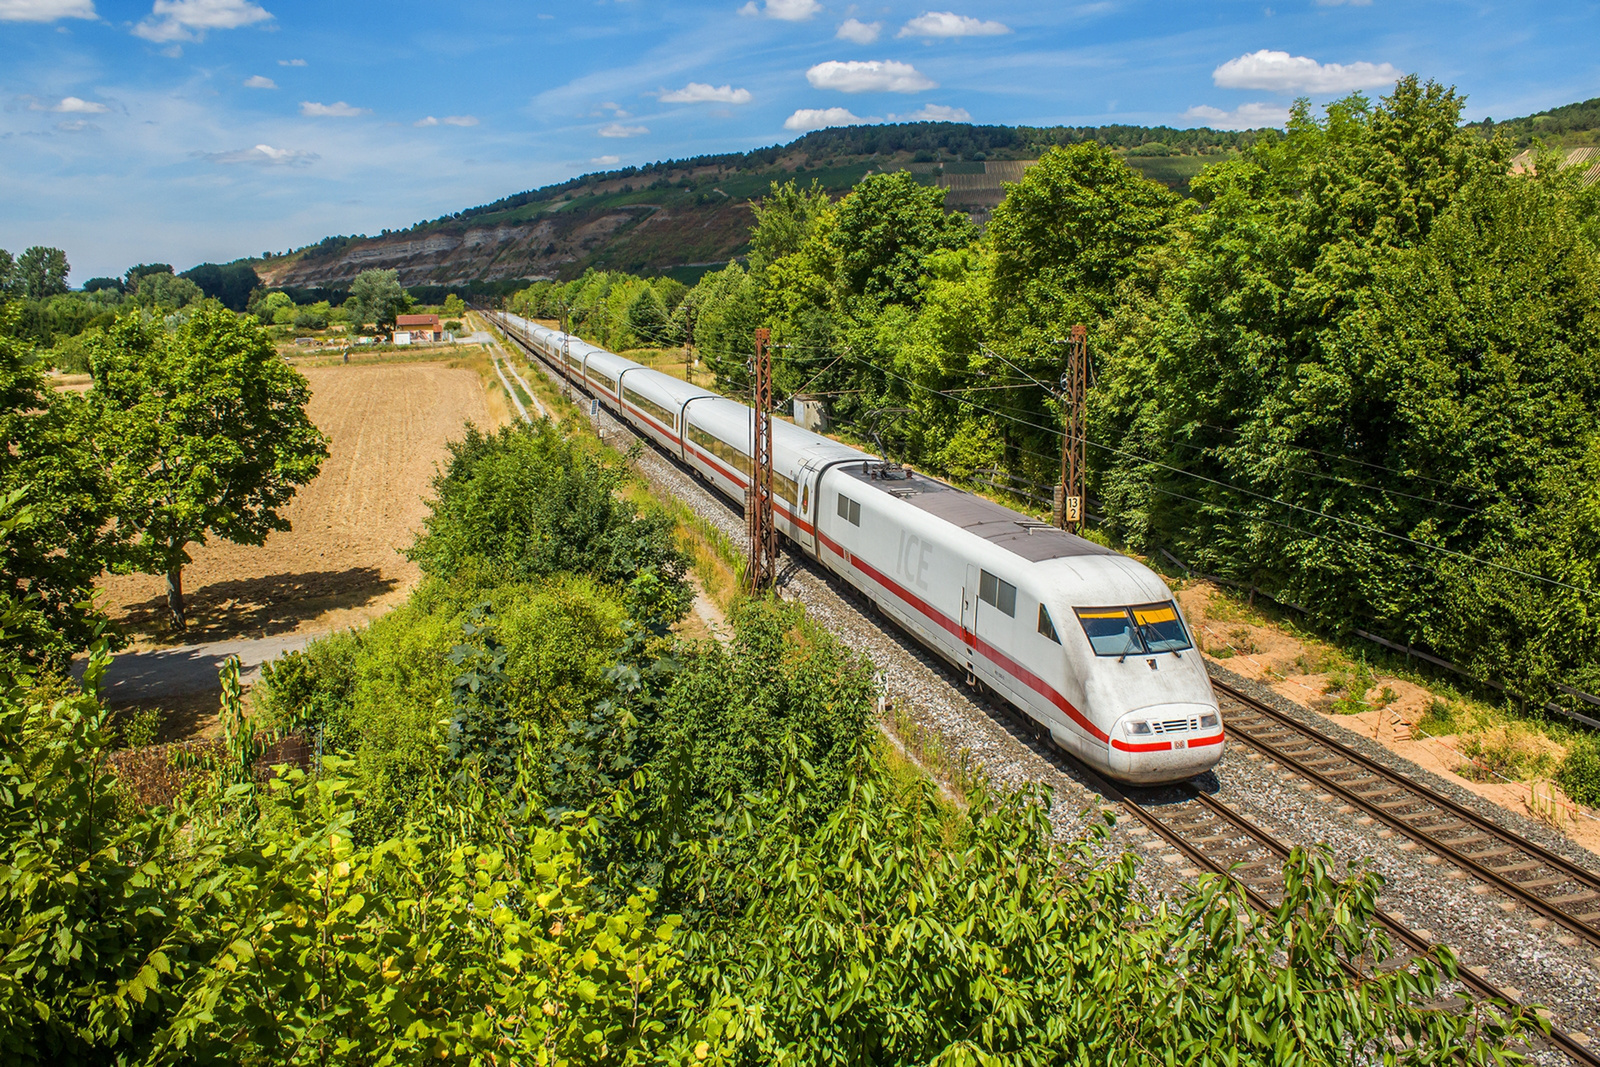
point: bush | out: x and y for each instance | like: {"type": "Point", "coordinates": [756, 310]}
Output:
{"type": "Point", "coordinates": [526, 502]}
{"type": "Point", "coordinates": [1579, 774]}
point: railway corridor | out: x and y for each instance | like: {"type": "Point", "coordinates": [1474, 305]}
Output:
{"type": "Point", "coordinates": [1506, 945]}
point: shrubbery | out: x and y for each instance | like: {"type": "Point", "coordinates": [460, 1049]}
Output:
{"type": "Point", "coordinates": [548, 831]}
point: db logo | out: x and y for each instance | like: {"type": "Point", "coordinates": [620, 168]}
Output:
{"type": "Point", "coordinates": [1180, 743]}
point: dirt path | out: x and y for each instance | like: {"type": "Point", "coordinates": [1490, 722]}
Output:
{"type": "Point", "coordinates": [342, 563]}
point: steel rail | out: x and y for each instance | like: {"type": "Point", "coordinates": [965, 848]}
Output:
{"type": "Point", "coordinates": [1236, 828]}
{"type": "Point", "coordinates": [1548, 884]}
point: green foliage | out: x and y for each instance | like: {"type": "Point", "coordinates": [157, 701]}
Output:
{"type": "Point", "coordinates": [378, 297]}
{"type": "Point", "coordinates": [41, 272]}
{"type": "Point", "coordinates": [1579, 774]}
{"type": "Point", "coordinates": [870, 939]}
{"type": "Point", "coordinates": [163, 291]}
{"type": "Point", "coordinates": [454, 306]}
{"type": "Point", "coordinates": [1374, 340]}
{"type": "Point", "coordinates": [89, 941]}
{"type": "Point", "coordinates": [230, 284]}
{"type": "Point", "coordinates": [383, 695]}
{"type": "Point", "coordinates": [526, 502]}
{"type": "Point", "coordinates": [211, 437]}
{"type": "Point", "coordinates": [56, 507]}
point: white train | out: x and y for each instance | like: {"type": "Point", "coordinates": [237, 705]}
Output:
{"type": "Point", "coordinates": [1087, 641]}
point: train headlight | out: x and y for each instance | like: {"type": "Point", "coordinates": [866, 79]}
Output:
{"type": "Point", "coordinates": [1208, 722]}
{"type": "Point", "coordinates": [1138, 726]}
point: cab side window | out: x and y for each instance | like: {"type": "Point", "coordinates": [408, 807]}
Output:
{"type": "Point", "coordinates": [1046, 626]}
{"type": "Point", "coordinates": [850, 510]}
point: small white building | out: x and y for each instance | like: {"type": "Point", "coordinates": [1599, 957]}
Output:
{"type": "Point", "coordinates": [402, 337]}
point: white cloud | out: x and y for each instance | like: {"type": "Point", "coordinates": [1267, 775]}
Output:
{"type": "Point", "coordinates": [817, 118]}
{"type": "Point", "coordinates": [71, 105]}
{"type": "Point", "coordinates": [869, 76]}
{"type": "Point", "coordinates": [256, 81]}
{"type": "Point", "coordinates": [338, 110]}
{"type": "Point", "coordinates": [77, 126]}
{"type": "Point", "coordinates": [617, 129]}
{"type": "Point", "coordinates": [45, 10]}
{"type": "Point", "coordinates": [429, 121]}
{"type": "Point", "coordinates": [606, 161]}
{"type": "Point", "coordinates": [291, 62]}
{"type": "Point", "coordinates": [459, 120]}
{"type": "Point", "coordinates": [858, 31]}
{"type": "Point", "coordinates": [787, 10]}
{"type": "Point", "coordinates": [188, 20]}
{"type": "Point", "coordinates": [700, 93]}
{"type": "Point", "coordinates": [936, 113]}
{"type": "Point", "coordinates": [950, 24]}
{"type": "Point", "coordinates": [1283, 73]}
{"type": "Point", "coordinates": [263, 155]}
{"type": "Point", "coordinates": [1244, 117]}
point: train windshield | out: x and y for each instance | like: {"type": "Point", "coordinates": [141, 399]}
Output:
{"type": "Point", "coordinates": [1134, 631]}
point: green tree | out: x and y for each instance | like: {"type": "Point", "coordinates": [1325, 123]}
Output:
{"type": "Point", "coordinates": [167, 292]}
{"type": "Point", "coordinates": [41, 272]}
{"type": "Point", "coordinates": [135, 273]}
{"type": "Point", "coordinates": [8, 273]}
{"type": "Point", "coordinates": [647, 318]}
{"type": "Point", "coordinates": [211, 437]}
{"type": "Point", "coordinates": [785, 220]}
{"type": "Point", "coordinates": [885, 229]}
{"type": "Point", "coordinates": [59, 538]}
{"type": "Point", "coordinates": [454, 306]}
{"type": "Point", "coordinates": [230, 283]}
{"type": "Point", "coordinates": [1067, 236]}
{"type": "Point", "coordinates": [379, 297]}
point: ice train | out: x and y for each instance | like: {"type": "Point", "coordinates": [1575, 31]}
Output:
{"type": "Point", "coordinates": [1085, 640]}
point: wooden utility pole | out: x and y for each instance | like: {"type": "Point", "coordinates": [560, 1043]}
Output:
{"type": "Point", "coordinates": [762, 567]}
{"type": "Point", "coordinates": [1070, 500]}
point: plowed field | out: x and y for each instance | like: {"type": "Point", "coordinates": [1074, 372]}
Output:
{"type": "Point", "coordinates": [343, 561]}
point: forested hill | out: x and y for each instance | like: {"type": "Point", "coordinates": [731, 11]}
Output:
{"type": "Point", "coordinates": [1568, 126]}
{"type": "Point", "coordinates": [682, 215]}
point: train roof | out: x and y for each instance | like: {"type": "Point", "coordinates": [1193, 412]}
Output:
{"type": "Point", "coordinates": [1029, 538]}
{"type": "Point", "coordinates": [665, 386]}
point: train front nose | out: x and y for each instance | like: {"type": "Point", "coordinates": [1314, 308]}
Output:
{"type": "Point", "coordinates": [1166, 743]}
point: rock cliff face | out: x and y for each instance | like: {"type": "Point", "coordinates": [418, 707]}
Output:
{"type": "Point", "coordinates": [643, 238]}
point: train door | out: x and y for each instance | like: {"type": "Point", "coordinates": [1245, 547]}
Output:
{"type": "Point", "coordinates": [969, 619]}
{"type": "Point", "coordinates": [809, 506]}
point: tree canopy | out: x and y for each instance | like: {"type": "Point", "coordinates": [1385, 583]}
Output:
{"type": "Point", "coordinates": [212, 437]}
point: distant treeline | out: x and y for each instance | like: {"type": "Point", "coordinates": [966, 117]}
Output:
{"type": "Point", "coordinates": [1555, 123]}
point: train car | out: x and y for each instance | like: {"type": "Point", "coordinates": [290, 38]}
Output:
{"type": "Point", "coordinates": [1083, 639]}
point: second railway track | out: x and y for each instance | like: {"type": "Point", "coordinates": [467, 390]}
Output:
{"type": "Point", "coordinates": [1546, 883]}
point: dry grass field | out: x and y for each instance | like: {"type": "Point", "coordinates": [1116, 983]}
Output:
{"type": "Point", "coordinates": [343, 562]}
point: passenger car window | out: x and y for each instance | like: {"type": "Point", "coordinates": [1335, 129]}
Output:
{"type": "Point", "coordinates": [850, 510]}
{"type": "Point", "coordinates": [997, 591]}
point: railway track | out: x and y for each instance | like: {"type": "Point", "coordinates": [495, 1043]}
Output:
{"type": "Point", "coordinates": [1218, 839]}
{"type": "Point", "coordinates": [1550, 885]}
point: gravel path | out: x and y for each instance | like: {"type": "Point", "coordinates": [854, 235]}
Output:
{"type": "Point", "coordinates": [1516, 949]}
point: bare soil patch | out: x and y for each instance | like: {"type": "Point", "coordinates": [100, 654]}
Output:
{"type": "Point", "coordinates": [343, 561]}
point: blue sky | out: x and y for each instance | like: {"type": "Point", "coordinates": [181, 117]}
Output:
{"type": "Point", "coordinates": [192, 130]}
